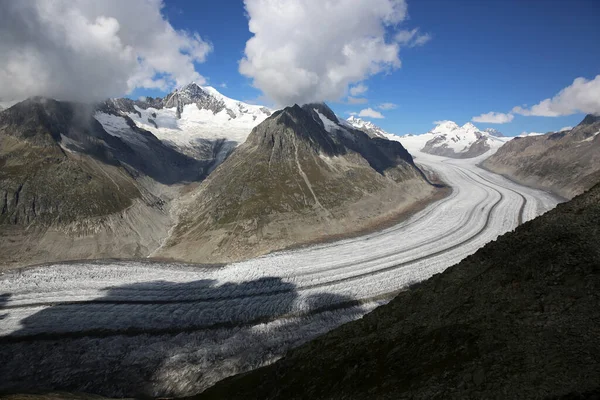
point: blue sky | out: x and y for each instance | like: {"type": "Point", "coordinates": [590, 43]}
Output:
{"type": "Point", "coordinates": [484, 56]}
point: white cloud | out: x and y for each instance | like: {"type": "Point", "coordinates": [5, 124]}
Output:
{"type": "Point", "coordinates": [223, 85]}
{"type": "Point", "coordinates": [412, 38]}
{"type": "Point", "coordinates": [525, 134]}
{"type": "Point", "coordinates": [357, 100]}
{"type": "Point", "coordinates": [387, 106]}
{"type": "Point", "coordinates": [88, 50]}
{"type": "Point", "coordinates": [370, 113]}
{"type": "Point", "coordinates": [494, 118]}
{"type": "Point", "coordinates": [566, 128]}
{"type": "Point", "coordinates": [440, 122]}
{"type": "Point", "coordinates": [359, 89]}
{"type": "Point", "coordinates": [583, 96]}
{"type": "Point", "coordinates": [312, 50]}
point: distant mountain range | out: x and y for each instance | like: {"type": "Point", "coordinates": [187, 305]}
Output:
{"type": "Point", "coordinates": [450, 140]}
{"type": "Point", "coordinates": [447, 139]}
{"type": "Point", "coordinates": [368, 127]}
{"type": "Point", "coordinates": [113, 179]}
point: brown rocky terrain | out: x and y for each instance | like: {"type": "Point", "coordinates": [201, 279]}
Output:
{"type": "Point", "coordinates": [296, 179]}
{"type": "Point", "coordinates": [518, 319]}
{"type": "Point", "coordinates": [565, 163]}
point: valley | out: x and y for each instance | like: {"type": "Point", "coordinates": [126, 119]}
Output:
{"type": "Point", "coordinates": [168, 329]}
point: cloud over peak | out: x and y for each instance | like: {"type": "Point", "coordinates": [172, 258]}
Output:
{"type": "Point", "coordinates": [304, 51]}
{"type": "Point", "coordinates": [90, 50]}
{"type": "Point", "coordinates": [368, 113]}
{"type": "Point", "coordinates": [494, 118]}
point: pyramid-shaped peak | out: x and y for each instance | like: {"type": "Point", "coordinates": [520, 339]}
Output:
{"type": "Point", "coordinates": [470, 127]}
{"type": "Point", "coordinates": [322, 109]}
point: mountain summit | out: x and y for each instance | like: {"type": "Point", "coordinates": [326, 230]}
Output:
{"type": "Point", "coordinates": [451, 140]}
{"type": "Point", "coordinates": [302, 175]}
{"type": "Point", "coordinates": [197, 121]}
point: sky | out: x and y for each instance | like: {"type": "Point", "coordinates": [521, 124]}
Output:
{"type": "Point", "coordinates": [529, 65]}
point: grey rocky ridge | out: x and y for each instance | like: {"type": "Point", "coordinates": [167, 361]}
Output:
{"type": "Point", "coordinates": [301, 176]}
{"type": "Point", "coordinates": [565, 163]}
{"type": "Point", "coordinates": [518, 319]}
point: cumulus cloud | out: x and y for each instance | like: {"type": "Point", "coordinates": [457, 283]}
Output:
{"type": "Point", "coordinates": [494, 118]}
{"type": "Point", "coordinates": [312, 50]}
{"type": "Point", "coordinates": [440, 122]}
{"type": "Point", "coordinates": [387, 106]}
{"type": "Point", "coordinates": [370, 113]}
{"type": "Point", "coordinates": [357, 100]}
{"type": "Point", "coordinates": [566, 128]}
{"type": "Point", "coordinates": [88, 50]}
{"type": "Point", "coordinates": [359, 89]}
{"type": "Point", "coordinates": [412, 38]}
{"type": "Point", "coordinates": [583, 96]}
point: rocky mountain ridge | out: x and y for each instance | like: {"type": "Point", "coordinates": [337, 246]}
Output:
{"type": "Point", "coordinates": [368, 127]}
{"type": "Point", "coordinates": [565, 163]}
{"type": "Point", "coordinates": [70, 189]}
{"type": "Point", "coordinates": [301, 176]}
{"type": "Point", "coordinates": [197, 121]}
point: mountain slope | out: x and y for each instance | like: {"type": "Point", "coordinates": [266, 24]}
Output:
{"type": "Point", "coordinates": [301, 176]}
{"type": "Point", "coordinates": [518, 319]}
{"type": "Point", "coordinates": [566, 163]}
{"type": "Point", "coordinates": [68, 188]}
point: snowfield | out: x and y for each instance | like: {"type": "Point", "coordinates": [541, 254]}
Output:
{"type": "Point", "coordinates": [167, 329]}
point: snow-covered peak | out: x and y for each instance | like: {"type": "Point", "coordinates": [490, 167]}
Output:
{"type": "Point", "coordinates": [493, 132]}
{"type": "Point", "coordinates": [469, 127]}
{"type": "Point", "coordinates": [445, 127]}
{"type": "Point", "coordinates": [368, 127]}
{"type": "Point", "coordinates": [192, 118]}
{"type": "Point", "coordinates": [451, 140]}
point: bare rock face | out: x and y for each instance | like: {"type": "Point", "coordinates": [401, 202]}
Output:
{"type": "Point", "coordinates": [69, 189]}
{"type": "Point", "coordinates": [297, 179]}
{"type": "Point", "coordinates": [566, 163]}
{"type": "Point", "coordinates": [518, 319]}
{"type": "Point", "coordinates": [193, 94]}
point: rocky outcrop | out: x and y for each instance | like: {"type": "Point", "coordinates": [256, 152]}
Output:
{"type": "Point", "coordinates": [518, 319]}
{"type": "Point", "coordinates": [565, 163]}
{"type": "Point", "coordinates": [296, 179]}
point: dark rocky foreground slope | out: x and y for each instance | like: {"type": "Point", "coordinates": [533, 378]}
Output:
{"type": "Point", "coordinates": [566, 163]}
{"type": "Point", "coordinates": [299, 177]}
{"type": "Point", "coordinates": [518, 319]}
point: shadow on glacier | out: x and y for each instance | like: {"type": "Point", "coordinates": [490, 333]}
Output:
{"type": "Point", "coordinates": [3, 300]}
{"type": "Point", "coordinates": [164, 338]}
